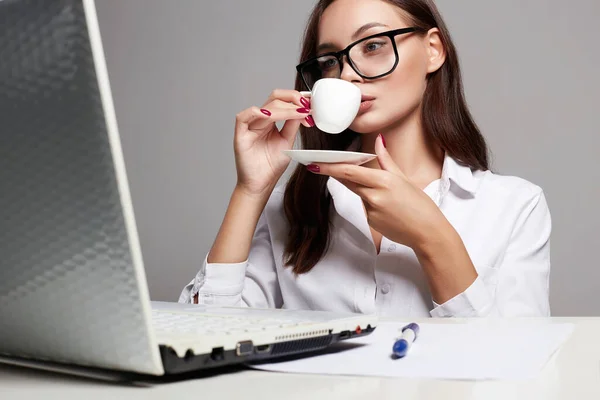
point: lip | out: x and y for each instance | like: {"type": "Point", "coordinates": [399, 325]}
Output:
{"type": "Point", "coordinates": [364, 106]}
{"type": "Point", "coordinates": [366, 102]}
{"type": "Point", "coordinates": [365, 97]}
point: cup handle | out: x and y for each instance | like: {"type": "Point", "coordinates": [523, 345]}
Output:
{"type": "Point", "coordinates": [306, 94]}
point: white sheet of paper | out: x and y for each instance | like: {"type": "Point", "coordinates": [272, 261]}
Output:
{"type": "Point", "coordinates": [477, 350]}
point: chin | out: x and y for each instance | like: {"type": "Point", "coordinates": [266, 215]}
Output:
{"type": "Point", "coordinates": [368, 123]}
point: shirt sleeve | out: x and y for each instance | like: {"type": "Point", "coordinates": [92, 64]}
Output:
{"type": "Point", "coordinates": [252, 283]}
{"type": "Point", "coordinates": [522, 287]}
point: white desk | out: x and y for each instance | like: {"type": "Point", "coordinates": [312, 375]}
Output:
{"type": "Point", "coordinates": [574, 373]}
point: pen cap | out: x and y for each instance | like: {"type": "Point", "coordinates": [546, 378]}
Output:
{"type": "Point", "coordinates": [413, 327]}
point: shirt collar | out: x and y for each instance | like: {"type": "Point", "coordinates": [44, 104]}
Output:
{"type": "Point", "coordinates": [461, 175]}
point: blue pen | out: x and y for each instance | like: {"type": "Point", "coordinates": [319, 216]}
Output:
{"type": "Point", "coordinates": [403, 343]}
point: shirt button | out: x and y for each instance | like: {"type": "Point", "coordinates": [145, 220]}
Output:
{"type": "Point", "coordinates": [385, 289]}
{"type": "Point", "coordinates": [392, 248]}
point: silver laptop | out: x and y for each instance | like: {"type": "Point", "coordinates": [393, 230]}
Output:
{"type": "Point", "coordinates": [72, 285]}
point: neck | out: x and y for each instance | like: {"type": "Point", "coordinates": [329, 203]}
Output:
{"type": "Point", "coordinates": [408, 146]}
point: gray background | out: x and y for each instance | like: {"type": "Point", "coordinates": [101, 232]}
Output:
{"type": "Point", "coordinates": [180, 71]}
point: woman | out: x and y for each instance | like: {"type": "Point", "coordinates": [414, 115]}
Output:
{"type": "Point", "coordinates": [423, 230]}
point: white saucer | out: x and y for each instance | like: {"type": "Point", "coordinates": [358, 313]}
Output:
{"type": "Point", "coordinates": [306, 157]}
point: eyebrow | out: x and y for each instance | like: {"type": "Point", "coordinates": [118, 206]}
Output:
{"type": "Point", "coordinates": [359, 31]}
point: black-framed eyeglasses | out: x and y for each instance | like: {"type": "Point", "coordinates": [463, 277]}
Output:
{"type": "Point", "coordinates": [372, 57]}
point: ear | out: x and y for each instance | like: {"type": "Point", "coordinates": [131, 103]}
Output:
{"type": "Point", "coordinates": [436, 51]}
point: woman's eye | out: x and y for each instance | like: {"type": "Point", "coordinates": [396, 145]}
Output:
{"type": "Point", "coordinates": [328, 63]}
{"type": "Point", "coordinates": [373, 46]}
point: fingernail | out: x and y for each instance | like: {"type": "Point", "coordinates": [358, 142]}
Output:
{"type": "Point", "coordinates": [303, 110]}
{"type": "Point", "coordinates": [305, 102]}
{"type": "Point", "coordinates": [313, 168]}
{"type": "Point", "coordinates": [266, 112]}
{"type": "Point", "coordinates": [383, 140]}
{"type": "Point", "coordinates": [310, 121]}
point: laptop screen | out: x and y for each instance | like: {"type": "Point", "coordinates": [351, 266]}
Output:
{"type": "Point", "coordinates": [69, 287]}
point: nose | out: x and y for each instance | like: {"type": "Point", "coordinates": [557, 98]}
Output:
{"type": "Point", "coordinates": [348, 73]}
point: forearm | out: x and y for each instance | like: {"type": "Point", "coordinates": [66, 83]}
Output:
{"type": "Point", "coordinates": [446, 264]}
{"type": "Point", "coordinates": [233, 241]}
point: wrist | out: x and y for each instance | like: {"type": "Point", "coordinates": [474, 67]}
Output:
{"type": "Point", "coordinates": [446, 263]}
{"type": "Point", "coordinates": [437, 241]}
{"type": "Point", "coordinates": [249, 197]}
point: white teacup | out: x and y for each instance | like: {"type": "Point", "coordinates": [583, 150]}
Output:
{"type": "Point", "coordinates": [334, 103]}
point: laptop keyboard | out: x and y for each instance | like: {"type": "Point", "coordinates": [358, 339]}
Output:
{"type": "Point", "coordinates": [166, 322]}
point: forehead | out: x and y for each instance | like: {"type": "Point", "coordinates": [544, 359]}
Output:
{"type": "Point", "coordinates": [343, 17]}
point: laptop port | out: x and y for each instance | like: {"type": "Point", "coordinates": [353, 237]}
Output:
{"type": "Point", "coordinates": [345, 335]}
{"type": "Point", "coordinates": [244, 348]}
{"type": "Point", "coordinates": [263, 348]}
{"type": "Point", "coordinates": [217, 354]}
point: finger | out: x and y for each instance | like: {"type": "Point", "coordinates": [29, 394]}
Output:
{"type": "Point", "coordinates": [361, 175]}
{"type": "Point", "coordinates": [250, 115]}
{"type": "Point", "coordinates": [354, 187]}
{"type": "Point", "coordinates": [281, 114]}
{"type": "Point", "coordinates": [364, 192]}
{"type": "Point", "coordinates": [288, 96]}
{"type": "Point", "coordinates": [276, 104]}
{"type": "Point", "coordinates": [290, 129]}
{"type": "Point", "coordinates": [386, 162]}
{"type": "Point", "coordinates": [308, 122]}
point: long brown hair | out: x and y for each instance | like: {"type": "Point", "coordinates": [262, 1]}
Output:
{"type": "Point", "coordinates": [447, 123]}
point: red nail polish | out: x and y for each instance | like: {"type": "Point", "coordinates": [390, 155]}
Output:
{"type": "Point", "coordinates": [383, 140]}
{"type": "Point", "coordinates": [313, 168]}
{"type": "Point", "coordinates": [266, 112]}
{"type": "Point", "coordinates": [310, 121]}
{"type": "Point", "coordinates": [303, 110]}
{"type": "Point", "coordinates": [305, 102]}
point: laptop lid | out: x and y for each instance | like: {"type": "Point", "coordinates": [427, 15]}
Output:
{"type": "Point", "coordinates": [72, 282]}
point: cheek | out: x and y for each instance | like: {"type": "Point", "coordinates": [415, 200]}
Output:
{"type": "Point", "coordinates": [405, 86]}
{"type": "Point", "coordinates": [398, 95]}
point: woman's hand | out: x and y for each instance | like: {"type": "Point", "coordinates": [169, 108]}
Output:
{"type": "Point", "coordinates": [258, 143]}
{"type": "Point", "coordinates": [395, 207]}
{"type": "Point", "coordinates": [405, 214]}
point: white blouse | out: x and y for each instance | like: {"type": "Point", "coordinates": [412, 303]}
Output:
{"type": "Point", "coordinates": [503, 221]}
